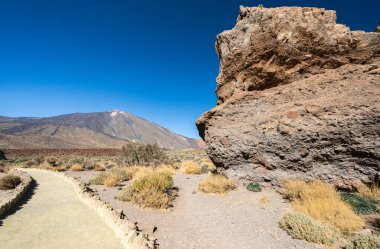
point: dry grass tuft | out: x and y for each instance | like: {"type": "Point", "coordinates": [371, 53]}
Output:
{"type": "Point", "coordinates": [138, 171]}
{"type": "Point", "coordinates": [149, 191]}
{"type": "Point", "coordinates": [8, 182]}
{"type": "Point", "coordinates": [112, 180]}
{"type": "Point", "coordinates": [53, 168]}
{"type": "Point", "coordinates": [372, 193]}
{"type": "Point", "coordinates": [99, 178]}
{"type": "Point", "coordinates": [302, 227]}
{"type": "Point", "coordinates": [190, 167]}
{"type": "Point", "coordinates": [166, 168]}
{"type": "Point", "coordinates": [217, 184]}
{"type": "Point", "coordinates": [100, 166]}
{"type": "Point", "coordinates": [77, 167]}
{"type": "Point", "coordinates": [264, 200]}
{"type": "Point", "coordinates": [322, 202]}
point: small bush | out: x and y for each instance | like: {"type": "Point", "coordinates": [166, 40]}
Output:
{"type": "Point", "coordinates": [52, 161]}
{"type": "Point", "coordinates": [77, 167]}
{"type": "Point", "coordinates": [166, 168]}
{"type": "Point", "coordinates": [146, 155]}
{"type": "Point", "coordinates": [150, 191]}
{"type": "Point", "coordinates": [9, 182]}
{"type": "Point", "coordinates": [293, 189]}
{"type": "Point", "coordinates": [112, 180]}
{"type": "Point", "coordinates": [121, 173]}
{"type": "Point", "coordinates": [99, 166]}
{"type": "Point", "coordinates": [254, 187]}
{"type": "Point", "coordinates": [299, 226]}
{"type": "Point", "coordinates": [365, 242]}
{"type": "Point", "coordinates": [99, 179]}
{"type": "Point", "coordinates": [217, 184]}
{"type": "Point", "coordinates": [190, 167]}
{"type": "Point", "coordinates": [136, 172]}
{"type": "Point", "coordinates": [359, 204]}
{"type": "Point", "coordinates": [372, 192]}
{"type": "Point", "coordinates": [322, 202]}
{"type": "Point", "coordinates": [47, 166]}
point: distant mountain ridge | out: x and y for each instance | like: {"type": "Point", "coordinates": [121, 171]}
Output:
{"type": "Point", "coordinates": [88, 130]}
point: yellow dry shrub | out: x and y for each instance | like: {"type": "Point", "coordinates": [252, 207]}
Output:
{"type": "Point", "coordinates": [165, 168]}
{"type": "Point", "coordinates": [322, 202]}
{"type": "Point", "coordinates": [293, 188]}
{"type": "Point", "coordinates": [151, 191]}
{"type": "Point", "coordinates": [77, 167]}
{"type": "Point", "coordinates": [53, 168]}
{"type": "Point", "coordinates": [217, 184]}
{"type": "Point", "coordinates": [112, 180]}
{"type": "Point", "coordinates": [113, 164]}
{"type": "Point", "coordinates": [190, 167]}
{"type": "Point", "coordinates": [99, 166]}
{"type": "Point", "coordinates": [372, 192]}
{"type": "Point", "coordinates": [137, 171]}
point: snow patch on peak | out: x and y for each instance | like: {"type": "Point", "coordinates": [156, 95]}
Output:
{"type": "Point", "coordinates": [115, 113]}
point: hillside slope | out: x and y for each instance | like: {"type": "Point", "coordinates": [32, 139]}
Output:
{"type": "Point", "coordinates": [88, 130]}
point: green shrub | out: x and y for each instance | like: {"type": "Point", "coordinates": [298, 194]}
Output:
{"type": "Point", "coordinates": [149, 191]}
{"type": "Point", "coordinates": [9, 182]}
{"type": "Point", "coordinates": [254, 187]}
{"type": "Point", "coordinates": [360, 204]}
{"type": "Point", "coordinates": [122, 173]}
{"type": "Point", "coordinates": [300, 226]}
{"type": "Point", "coordinates": [140, 154]}
{"type": "Point", "coordinates": [102, 176]}
{"type": "Point", "coordinates": [99, 179]}
{"type": "Point", "coordinates": [365, 242]}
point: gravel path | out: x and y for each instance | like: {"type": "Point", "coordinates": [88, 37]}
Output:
{"type": "Point", "coordinates": [240, 219]}
{"type": "Point", "coordinates": [55, 217]}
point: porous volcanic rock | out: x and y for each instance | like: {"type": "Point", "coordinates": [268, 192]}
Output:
{"type": "Point", "coordinates": [298, 96]}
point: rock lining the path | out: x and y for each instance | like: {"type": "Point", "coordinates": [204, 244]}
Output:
{"type": "Point", "coordinates": [12, 197]}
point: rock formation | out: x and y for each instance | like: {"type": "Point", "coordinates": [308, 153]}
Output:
{"type": "Point", "coordinates": [298, 96]}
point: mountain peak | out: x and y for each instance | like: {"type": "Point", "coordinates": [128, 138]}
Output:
{"type": "Point", "coordinates": [116, 112]}
{"type": "Point", "coordinates": [111, 129]}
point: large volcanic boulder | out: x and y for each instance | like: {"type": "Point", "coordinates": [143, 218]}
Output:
{"type": "Point", "coordinates": [298, 96]}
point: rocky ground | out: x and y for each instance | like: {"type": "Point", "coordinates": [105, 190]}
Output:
{"type": "Point", "coordinates": [240, 219]}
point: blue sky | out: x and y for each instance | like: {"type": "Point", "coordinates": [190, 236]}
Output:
{"type": "Point", "coordinates": [155, 59]}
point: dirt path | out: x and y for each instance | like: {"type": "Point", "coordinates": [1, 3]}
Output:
{"type": "Point", "coordinates": [55, 217]}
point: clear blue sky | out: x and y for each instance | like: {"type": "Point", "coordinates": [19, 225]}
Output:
{"type": "Point", "coordinates": [155, 59]}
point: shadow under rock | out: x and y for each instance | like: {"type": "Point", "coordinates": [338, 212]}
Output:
{"type": "Point", "coordinates": [23, 201]}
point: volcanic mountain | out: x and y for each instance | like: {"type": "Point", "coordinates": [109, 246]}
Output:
{"type": "Point", "coordinates": [88, 130]}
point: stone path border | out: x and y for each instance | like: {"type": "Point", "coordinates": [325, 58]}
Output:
{"type": "Point", "coordinates": [10, 199]}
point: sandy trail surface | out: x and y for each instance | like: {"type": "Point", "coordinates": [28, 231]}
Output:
{"type": "Point", "coordinates": [53, 216]}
